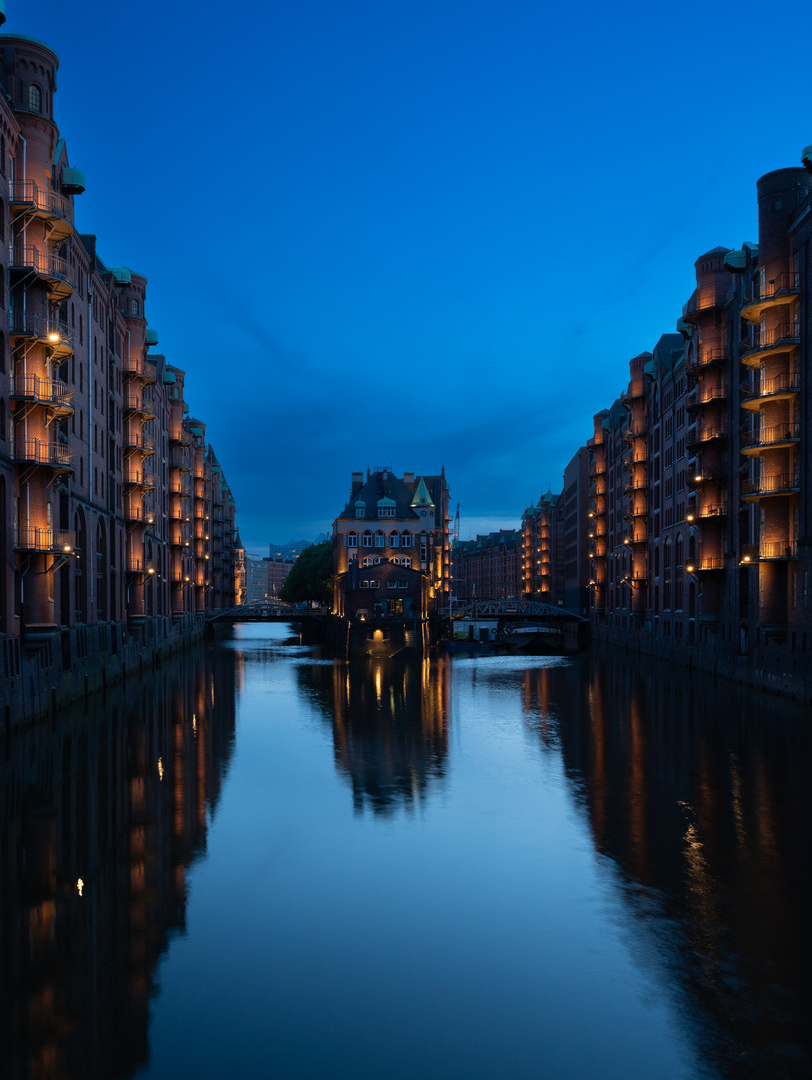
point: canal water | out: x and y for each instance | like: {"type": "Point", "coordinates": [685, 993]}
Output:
{"type": "Point", "coordinates": [262, 862]}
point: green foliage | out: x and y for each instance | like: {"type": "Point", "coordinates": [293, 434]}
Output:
{"type": "Point", "coordinates": [311, 576]}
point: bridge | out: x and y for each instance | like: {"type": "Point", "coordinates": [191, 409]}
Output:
{"type": "Point", "coordinates": [267, 611]}
{"type": "Point", "coordinates": [514, 610]}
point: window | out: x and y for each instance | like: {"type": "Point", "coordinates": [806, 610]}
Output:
{"type": "Point", "coordinates": [391, 584]}
{"type": "Point", "coordinates": [386, 511]}
{"type": "Point", "coordinates": [380, 540]}
{"type": "Point", "coordinates": [366, 540]}
{"type": "Point", "coordinates": [403, 584]}
{"type": "Point", "coordinates": [363, 584]}
{"type": "Point", "coordinates": [406, 539]}
{"type": "Point", "coordinates": [352, 540]}
{"type": "Point", "coordinates": [394, 539]}
{"type": "Point", "coordinates": [374, 584]}
{"type": "Point", "coordinates": [34, 98]}
{"type": "Point", "coordinates": [367, 561]}
{"type": "Point", "coordinates": [396, 561]}
{"type": "Point", "coordinates": [406, 562]}
{"type": "Point", "coordinates": [134, 307]}
{"type": "Point", "coordinates": [360, 510]}
{"type": "Point", "coordinates": [376, 561]}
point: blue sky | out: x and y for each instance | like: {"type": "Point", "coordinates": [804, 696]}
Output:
{"type": "Point", "coordinates": [417, 235]}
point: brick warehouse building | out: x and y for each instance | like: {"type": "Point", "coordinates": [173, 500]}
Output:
{"type": "Point", "coordinates": [391, 546]}
{"type": "Point", "coordinates": [700, 472]}
{"type": "Point", "coordinates": [116, 522]}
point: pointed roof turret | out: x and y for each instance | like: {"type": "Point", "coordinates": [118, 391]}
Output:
{"type": "Point", "coordinates": [238, 542]}
{"type": "Point", "coordinates": [421, 495]}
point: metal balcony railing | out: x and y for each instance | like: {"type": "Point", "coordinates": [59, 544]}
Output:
{"type": "Point", "coordinates": [706, 394]}
{"type": "Point", "coordinates": [137, 365]}
{"type": "Point", "coordinates": [139, 478]}
{"type": "Point", "coordinates": [706, 357]}
{"type": "Point", "coordinates": [705, 298]}
{"type": "Point", "coordinates": [775, 433]}
{"type": "Point", "coordinates": [138, 403]}
{"type": "Point", "coordinates": [52, 267]}
{"type": "Point", "coordinates": [135, 440]}
{"type": "Point", "coordinates": [780, 549]}
{"type": "Point", "coordinates": [42, 453]}
{"type": "Point", "coordinates": [137, 565]}
{"type": "Point", "coordinates": [768, 339]}
{"type": "Point", "coordinates": [44, 539]}
{"type": "Point", "coordinates": [51, 392]}
{"type": "Point", "coordinates": [710, 510]}
{"type": "Point", "coordinates": [705, 433]}
{"type": "Point", "coordinates": [139, 514]}
{"type": "Point", "coordinates": [766, 485]}
{"type": "Point", "coordinates": [785, 382]}
{"type": "Point", "coordinates": [27, 194]}
{"type": "Point", "coordinates": [50, 331]}
{"type": "Point", "coordinates": [786, 284]}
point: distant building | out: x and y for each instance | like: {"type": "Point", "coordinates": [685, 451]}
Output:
{"type": "Point", "coordinates": [542, 538]}
{"type": "Point", "coordinates": [487, 568]}
{"type": "Point", "coordinates": [575, 555]}
{"type": "Point", "coordinates": [390, 546]}
{"type": "Point", "coordinates": [278, 567]}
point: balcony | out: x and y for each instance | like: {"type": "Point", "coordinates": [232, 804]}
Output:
{"type": "Point", "coordinates": [780, 339]}
{"type": "Point", "coordinates": [635, 457]}
{"type": "Point", "coordinates": [777, 550]}
{"type": "Point", "coordinates": [705, 299]}
{"type": "Point", "coordinates": [782, 289]}
{"type": "Point", "coordinates": [34, 452]}
{"type": "Point", "coordinates": [180, 438]}
{"type": "Point", "coordinates": [26, 197]}
{"type": "Point", "coordinates": [48, 540]}
{"type": "Point", "coordinates": [138, 367]}
{"type": "Point", "coordinates": [134, 565]}
{"type": "Point", "coordinates": [704, 358]}
{"type": "Point", "coordinates": [706, 433]}
{"type": "Point", "coordinates": [55, 271]}
{"type": "Point", "coordinates": [774, 437]}
{"type": "Point", "coordinates": [705, 395]}
{"type": "Point", "coordinates": [706, 563]}
{"type": "Point", "coordinates": [139, 478]}
{"type": "Point", "coordinates": [780, 387]}
{"type": "Point", "coordinates": [136, 403]}
{"type": "Point", "coordinates": [178, 460]}
{"type": "Point", "coordinates": [635, 429]}
{"type": "Point", "coordinates": [135, 440]}
{"type": "Point", "coordinates": [707, 510]}
{"type": "Point", "coordinates": [138, 515]}
{"type": "Point", "coordinates": [783, 483]}
{"type": "Point", "coordinates": [23, 325]}
{"type": "Point", "coordinates": [52, 393]}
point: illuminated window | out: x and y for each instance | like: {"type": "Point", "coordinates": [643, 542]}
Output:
{"type": "Point", "coordinates": [363, 584]}
{"type": "Point", "coordinates": [34, 98]}
{"type": "Point", "coordinates": [374, 584]}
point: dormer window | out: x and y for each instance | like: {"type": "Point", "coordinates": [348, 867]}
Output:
{"type": "Point", "coordinates": [360, 509]}
{"type": "Point", "coordinates": [386, 508]}
{"type": "Point", "coordinates": [34, 98]}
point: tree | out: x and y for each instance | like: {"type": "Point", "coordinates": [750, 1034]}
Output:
{"type": "Point", "coordinates": [311, 576]}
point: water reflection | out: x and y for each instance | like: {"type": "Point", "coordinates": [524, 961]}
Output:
{"type": "Point", "coordinates": [390, 721]}
{"type": "Point", "coordinates": [698, 793]}
{"type": "Point", "coordinates": [102, 814]}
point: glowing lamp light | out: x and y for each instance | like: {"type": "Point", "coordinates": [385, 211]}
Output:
{"type": "Point", "coordinates": [697, 479]}
{"type": "Point", "coordinates": [689, 517]}
{"type": "Point", "coordinates": [67, 548]}
{"type": "Point", "coordinates": [53, 337]}
{"type": "Point", "coordinates": [151, 570]}
{"type": "Point", "coordinates": [746, 559]}
{"type": "Point", "coordinates": [626, 540]}
{"type": "Point", "coordinates": [690, 568]}
{"type": "Point", "coordinates": [80, 886]}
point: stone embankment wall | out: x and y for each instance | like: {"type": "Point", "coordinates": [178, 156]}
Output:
{"type": "Point", "coordinates": [81, 660]}
{"type": "Point", "coordinates": [788, 674]}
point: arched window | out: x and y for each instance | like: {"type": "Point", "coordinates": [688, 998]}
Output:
{"type": "Point", "coordinates": [406, 539]}
{"type": "Point", "coordinates": [667, 557]}
{"type": "Point", "coordinates": [34, 98]}
{"type": "Point", "coordinates": [394, 539]}
{"type": "Point", "coordinates": [366, 561]}
{"type": "Point", "coordinates": [134, 307]}
{"type": "Point", "coordinates": [396, 561]}
{"type": "Point", "coordinates": [376, 560]}
{"type": "Point", "coordinates": [366, 539]}
{"type": "Point", "coordinates": [406, 562]}
{"type": "Point", "coordinates": [380, 540]}
{"type": "Point", "coordinates": [352, 539]}
{"type": "Point", "coordinates": [656, 561]}
{"type": "Point", "coordinates": [2, 418]}
{"type": "Point", "coordinates": [678, 551]}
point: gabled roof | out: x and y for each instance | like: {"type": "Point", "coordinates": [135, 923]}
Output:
{"type": "Point", "coordinates": [421, 495]}
{"type": "Point", "coordinates": [384, 489]}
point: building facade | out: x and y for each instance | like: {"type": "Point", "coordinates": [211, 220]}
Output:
{"type": "Point", "coordinates": [488, 567]}
{"type": "Point", "coordinates": [107, 499]}
{"type": "Point", "coordinates": [700, 473]}
{"type": "Point", "coordinates": [397, 523]}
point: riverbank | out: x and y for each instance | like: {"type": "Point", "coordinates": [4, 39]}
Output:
{"type": "Point", "coordinates": [788, 675]}
{"type": "Point", "coordinates": [76, 662]}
